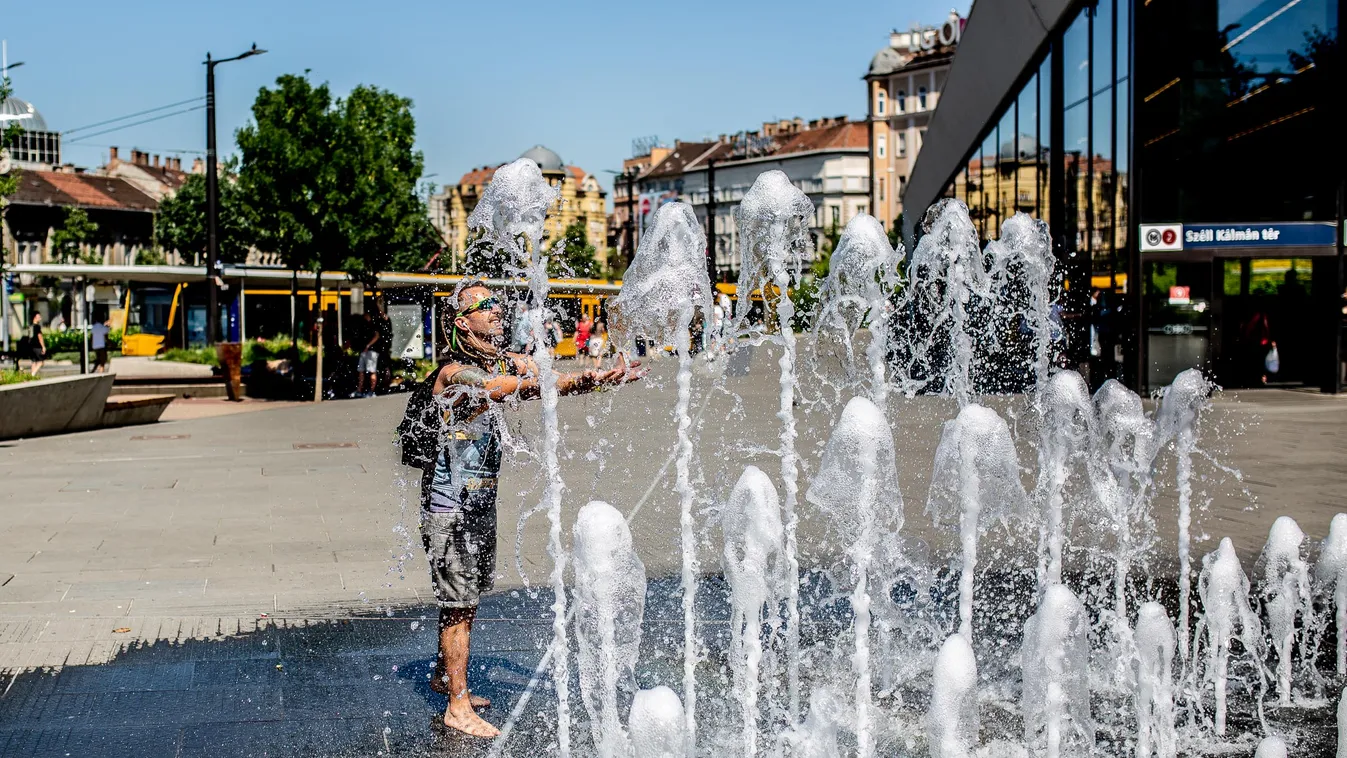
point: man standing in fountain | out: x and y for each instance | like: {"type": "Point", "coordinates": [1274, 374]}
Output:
{"type": "Point", "coordinates": [458, 493]}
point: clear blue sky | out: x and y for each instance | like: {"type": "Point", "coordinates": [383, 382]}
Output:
{"type": "Point", "coordinates": [488, 79]}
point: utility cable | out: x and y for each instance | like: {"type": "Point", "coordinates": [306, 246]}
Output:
{"type": "Point", "coordinates": [138, 123]}
{"type": "Point", "coordinates": [133, 115]}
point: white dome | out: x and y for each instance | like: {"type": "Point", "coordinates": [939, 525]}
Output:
{"type": "Point", "coordinates": [546, 159]}
{"type": "Point", "coordinates": [14, 109]}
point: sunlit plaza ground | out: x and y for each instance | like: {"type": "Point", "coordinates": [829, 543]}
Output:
{"type": "Point", "coordinates": [253, 584]}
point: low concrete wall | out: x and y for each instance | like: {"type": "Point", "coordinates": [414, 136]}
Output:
{"type": "Point", "coordinates": [129, 410]}
{"type": "Point", "coordinates": [51, 406]}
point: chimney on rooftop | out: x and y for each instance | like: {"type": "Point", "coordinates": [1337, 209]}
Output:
{"type": "Point", "coordinates": [198, 166]}
{"type": "Point", "coordinates": [112, 155]}
{"type": "Point", "coordinates": [156, 161]}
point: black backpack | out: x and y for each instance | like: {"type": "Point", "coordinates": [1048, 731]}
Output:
{"type": "Point", "coordinates": [419, 431]}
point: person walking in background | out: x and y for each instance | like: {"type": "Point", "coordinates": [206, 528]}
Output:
{"type": "Point", "coordinates": [597, 341]}
{"type": "Point", "coordinates": [98, 337]}
{"type": "Point", "coordinates": [583, 327]}
{"type": "Point", "coordinates": [37, 344]}
{"type": "Point", "coordinates": [367, 365]}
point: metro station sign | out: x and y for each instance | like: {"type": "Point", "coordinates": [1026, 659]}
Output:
{"type": "Point", "coordinates": [1156, 238]}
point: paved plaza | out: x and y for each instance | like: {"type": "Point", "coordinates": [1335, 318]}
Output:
{"type": "Point", "coordinates": [253, 584]}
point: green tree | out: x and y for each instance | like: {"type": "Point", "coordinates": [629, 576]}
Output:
{"type": "Point", "coordinates": [180, 223]}
{"type": "Point", "coordinates": [484, 260]}
{"type": "Point", "coordinates": [896, 232]}
{"type": "Point", "coordinates": [577, 259]}
{"type": "Point", "coordinates": [805, 293]}
{"type": "Point", "coordinates": [285, 175]}
{"type": "Point", "coordinates": [332, 183]}
{"type": "Point", "coordinates": [380, 215]}
{"type": "Point", "coordinates": [67, 243]}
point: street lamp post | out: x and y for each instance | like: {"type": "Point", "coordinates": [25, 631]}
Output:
{"type": "Point", "coordinates": [213, 198]}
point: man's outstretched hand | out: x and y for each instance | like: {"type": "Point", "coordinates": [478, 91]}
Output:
{"type": "Point", "coordinates": [621, 373]}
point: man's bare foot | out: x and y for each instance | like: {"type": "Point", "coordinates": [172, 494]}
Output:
{"type": "Point", "coordinates": [470, 723]}
{"type": "Point", "coordinates": [440, 684]}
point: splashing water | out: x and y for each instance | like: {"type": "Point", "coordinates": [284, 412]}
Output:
{"type": "Point", "coordinates": [1065, 430]}
{"type": "Point", "coordinates": [774, 218]}
{"type": "Point", "coordinates": [857, 488]}
{"type": "Point", "coordinates": [1021, 273]}
{"type": "Point", "coordinates": [1123, 446]}
{"type": "Point", "coordinates": [977, 477]}
{"type": "Point", "coordinates": [1182, 403]}
{"type": "Point", "coordinates": [1342, 724]}
{"type": "Point", "coordinates": [952, 723]}
{"type": "Point", "coordinates": [1271, 747]}
{"type": "Point", "coordinates": [1286, 594]}
{"type": "Point", "coordinates": [1330, 582]}
{"type": "Point", "coordinates": [947, 275]}
{"type": "Point", "coordinates": [610, 604]}
{"type": "Point", "coordinates": [978, 321]}
{"type": "Point", "coordinates": [862, 272]}
{"type": "Point", "coordinates": [1153, 692]}
{"type": "Point", "coordinates": [511, 215]}
{"type": "Point", "coordinates": [666, 284]}
{"type": "Point", "coordinates": [1224, 590]}
{"type": "Point", "coordinates": [656, 724]}
{"type": "Point", "coordinates": [1056, 655]}
{"type": "Point", "coordinates": [754, 569]}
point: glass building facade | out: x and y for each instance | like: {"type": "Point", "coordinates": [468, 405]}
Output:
{"type": "Point", "coordinates": [1191, 114]}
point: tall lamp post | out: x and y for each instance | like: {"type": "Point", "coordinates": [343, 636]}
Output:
{"type": "Point", "coordinates": [213, 198]}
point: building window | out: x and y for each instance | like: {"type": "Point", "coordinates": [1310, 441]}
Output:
{"type": "Point", "coordinates": [902, 144]}
{"type": "Point", "coordinates": [881, 189]}
{"type": "Point", "coordinates": [900, 103]}
{"type": "Point", "coordinates": [837, 216]}
{"type": "Point", "coordinates": [862, 209]}
{"type": "Point", "coordinates": [879, 102]}
{"type": "Point", "coordinates": [921, 98]}
{"type": "Point", "coordinates": [879, 146]}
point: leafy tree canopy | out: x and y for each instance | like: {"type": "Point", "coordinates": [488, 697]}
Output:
{"type": "Point", "coordinates": [67, 243]}
{"type": "Point", "coordinates": [332, 183]}
{"type": "Point", "coordinates": [181, 221]}
{"type": "Point", "coordinates": [575, 258]}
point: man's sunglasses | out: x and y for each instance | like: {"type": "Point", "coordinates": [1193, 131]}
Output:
{"type": "Point", "coordinates": [485, 303]}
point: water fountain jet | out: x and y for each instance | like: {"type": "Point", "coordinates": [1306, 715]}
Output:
{"type": "Point", "coordinates": [857, 489]}
{"type": "Point", "coordinates": [610, 604]}
{"type": "Point", "coordinates": [774, 218]}
{"type": "Point", "coordinates": [862, 273]}
{"type": "Point", "coordinates": [753, 562]}
{"type": "Point", "coordinates": [1056, 690]}
{"type": "Point", "coordinates": [1180, 407]}
{"type": "Point", "coordinates": [977, 477]}
{"type": "Point", "coordinates": [662, 290]}
{"type": "Point", "coordinates": [1224, 590]}
{"type": "Point", "coordinates": [1286, 594]}
{"type": "Point", "coordinates": [1153, 685]}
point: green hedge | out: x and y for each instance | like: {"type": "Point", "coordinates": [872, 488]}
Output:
{"type": "Point", "coordinates": [70, 341]}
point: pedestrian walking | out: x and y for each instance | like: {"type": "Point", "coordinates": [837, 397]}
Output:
{"type": "Point", "coordinates": [37, 344]}
{"type": "Point", "coordinates": [367, 365]}
{"type": "Point", "coordinates": [583, 327]}
{"type": "Point", "coordinates": [452, 430]}
{"type": "Point", "coordinates": [597, 341]}
{"type": "Point", "coordinates": [98, 339]}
